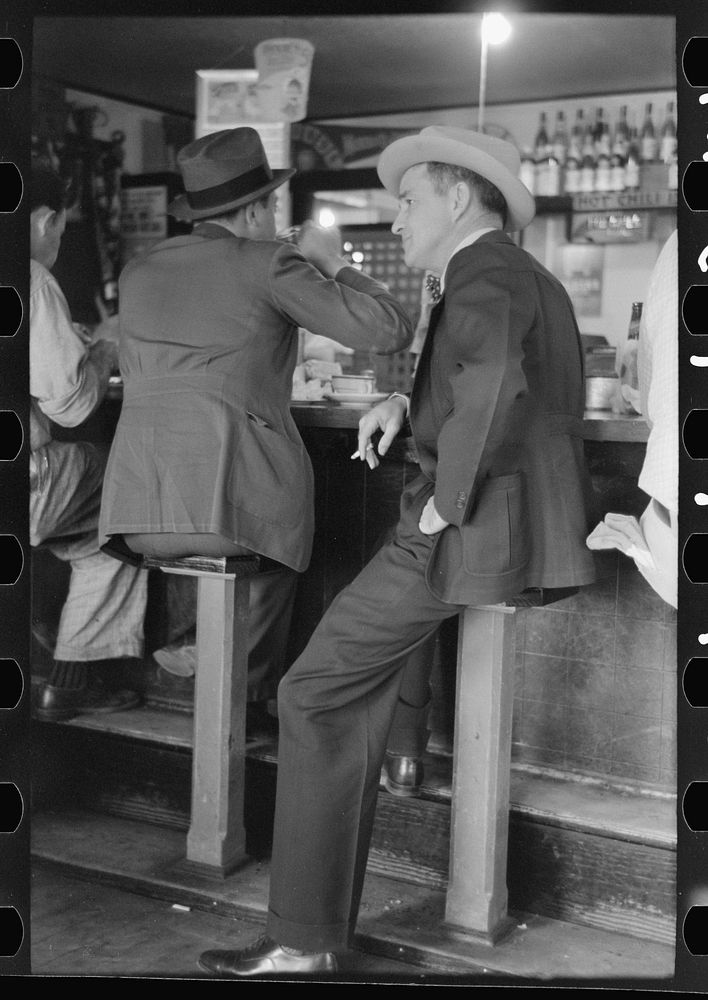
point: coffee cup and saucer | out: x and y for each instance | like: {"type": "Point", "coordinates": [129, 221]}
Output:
{"type": "Point", "coordinates": [355, 391]}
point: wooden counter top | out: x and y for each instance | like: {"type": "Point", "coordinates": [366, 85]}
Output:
{"type": "Point", "coordinates": [598, 425]}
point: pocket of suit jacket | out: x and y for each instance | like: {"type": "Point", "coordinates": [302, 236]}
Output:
{"type": "Point", "coordinates": [496, 539]}
{"type": "Point", "coordinates": [270, 474]}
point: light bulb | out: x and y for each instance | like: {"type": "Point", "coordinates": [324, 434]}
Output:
{"type": "Point", "coordinates": [495, 28]}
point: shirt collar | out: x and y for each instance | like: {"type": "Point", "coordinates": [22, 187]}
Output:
{"type": "Point", "coordinates": [467, 241]}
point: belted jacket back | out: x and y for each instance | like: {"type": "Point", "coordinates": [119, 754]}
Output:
{"type": "Point", "coordinates": [209, 338]}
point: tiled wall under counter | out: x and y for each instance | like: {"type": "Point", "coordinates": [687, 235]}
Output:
{"type": "Point", "coordinates": [596, 680]}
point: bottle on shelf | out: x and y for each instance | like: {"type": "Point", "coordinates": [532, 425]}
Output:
{"type": "Point", "coordinates": [541, 145]}
{"type": "Point", "coordinates": [649, 143]}
{"type": "Point", "coordinates": [618, 172]}
{"type": "Point", "coordinates": [668, 135]}
{"type": "Point", "coordinates": [571, 170]}
{"type": "Point", "coordinates": [632, 167]}
{"type": "Point", "coordinates": [602, 172]}
{"type": "Point", "coordinates": [559, 143]}
{"type": "Point", "coordinates": [628, 383]}
{"type": "Point", "coordinates": [575, 143]}
{"type": "Point", "coordinates": [601, 134]}
{"type": "Point", "coordinates": [620, 140]}
{"type": "Point", "coordinates": [527, 171]}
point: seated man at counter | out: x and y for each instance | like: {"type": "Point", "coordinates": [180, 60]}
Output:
{"type": "Point", "coordinates": [206, 458]}
{"type": "Point", "coordinates": [103, 614]}
{"type": "Point", "coordinates": [502, 503]}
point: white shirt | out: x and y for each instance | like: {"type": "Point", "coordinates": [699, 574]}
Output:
{"type": "Point", "coordinates": [658, 378]}
{"type": "Point", "coordinates": [65, 386]}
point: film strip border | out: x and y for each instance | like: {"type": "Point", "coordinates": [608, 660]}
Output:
{"type": "Point", "coordinates": [15, 684]}
{"type": "Point", "coordinates": [692, 818]}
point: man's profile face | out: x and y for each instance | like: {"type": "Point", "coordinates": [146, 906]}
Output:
{"type": "Point", "coordinates": [423, 220]}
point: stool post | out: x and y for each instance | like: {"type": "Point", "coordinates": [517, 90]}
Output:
{"type": "Point", "coordinates": [477, 892]}
{"type": "Point", "coordinates": [216, 836]}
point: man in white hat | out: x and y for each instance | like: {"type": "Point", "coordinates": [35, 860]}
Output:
{"type": "Point", "coordinates": [206, 458]}
{"type": "Point", "coordinates": [502, 503]}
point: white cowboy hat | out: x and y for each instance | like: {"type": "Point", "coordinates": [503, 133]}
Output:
{"type": "Point", "coordinates": [493, 158]}
{"type": "Point", "coordinates": [222, 171]}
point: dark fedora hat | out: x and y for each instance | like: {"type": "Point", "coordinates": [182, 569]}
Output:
{"type": "Point", "coordinates": [222, 171]}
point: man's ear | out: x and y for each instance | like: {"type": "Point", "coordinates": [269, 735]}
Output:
{"type": "Point", "coordinates": [42, 218]}
{"type": "Point", "coordinates": [460, 197]}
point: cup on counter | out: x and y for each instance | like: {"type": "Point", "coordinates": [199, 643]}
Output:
{"type": "Point", "coordinates": [600, 391]}
{"type": "Point", "coordinates": [364, 384]}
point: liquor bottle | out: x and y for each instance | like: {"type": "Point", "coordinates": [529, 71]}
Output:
{"type": "Point", "coordinates": [632, 165]}
{"type": "Point", "coordinates": [617, 172]}
{"type": "Point", "coordinates": [575, 146]}
{"type": "Point", "coordinates": [649, 145]}
{"type": "Point", "coordinates": [571, 170]}
{"type": "Point", "coordinates": [587, 172]}
{"type": "Point", "coordinates": [559, 143]}
{"type": "Point", "coordinates": [602, 173]}
{"type": "Point", "coordinates": [601, 134]}
{"type": "Point", "coordinates": [628, 387]}
{"type": "Point", "coordinates": [541, 145]}
{"type": "Point", "coordinates": [527, 170]}
{"type": "Point", "coordinates": [668, 135]}
{"type": "Point", "coordinates": [620, 143]}
{"type": "Point", "coordinates": [588, 146]}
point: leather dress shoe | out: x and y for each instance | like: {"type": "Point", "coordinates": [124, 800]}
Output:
{"type": "Point", "coordinates": [55, 704]}
{"type": "Point", "coordinates": [265, 957]}
{"type": "Point", "coordinates": [402, 775]}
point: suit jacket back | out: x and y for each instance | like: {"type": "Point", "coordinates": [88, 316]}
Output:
{"type": "Point", "coordinates": [205, 441]}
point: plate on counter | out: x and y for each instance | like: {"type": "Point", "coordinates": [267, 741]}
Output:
{"type": "Point", "coordinates": [357, 399]}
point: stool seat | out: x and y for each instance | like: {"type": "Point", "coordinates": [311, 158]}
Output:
{"type": "Point", "coordinates": [234, 567]}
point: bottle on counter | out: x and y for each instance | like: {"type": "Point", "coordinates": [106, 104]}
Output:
{"type": "Point", "coordinates": [649, 145]}
{"type": "Point", "coordinates": [668, 135]}
{"type": "Point", "coordinates": [628, 384]}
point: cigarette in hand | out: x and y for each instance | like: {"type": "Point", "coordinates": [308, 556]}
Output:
{"type": "Point", "coordinates": [369, 454]}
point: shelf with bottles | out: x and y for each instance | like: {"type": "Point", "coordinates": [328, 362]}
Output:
{"type": "Point", "coordinates": [592, 157]}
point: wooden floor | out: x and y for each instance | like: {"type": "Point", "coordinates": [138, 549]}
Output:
{"type": "Point", "coordinates": [81, 928]}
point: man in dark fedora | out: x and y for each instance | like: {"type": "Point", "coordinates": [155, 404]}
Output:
{"type": "Point", "coordinates": [206, 457]}
{"type": "Point", "coordinates": [502, 503]}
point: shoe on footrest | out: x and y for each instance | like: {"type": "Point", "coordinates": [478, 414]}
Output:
{"type": "Point", "coordinates": [402, 775]}
{"type": "Point", "coordinates": [56, 704]}
{"type": "Point", "coordinates": [265, 957]}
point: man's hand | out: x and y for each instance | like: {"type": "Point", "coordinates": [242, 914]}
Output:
{"type": "Point", "coordinates": [430, 521]}
{"type": "Point", "coordinates": [322, 247]}
{"type": "Point", "coordinates": [387, 417]}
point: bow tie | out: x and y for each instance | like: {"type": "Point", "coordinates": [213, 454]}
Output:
{"type": "Point", "coordinates": [432, 285]}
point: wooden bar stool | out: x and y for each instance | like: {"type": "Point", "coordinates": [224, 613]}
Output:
{"type": "Point", "coordinates": [216, 841]}
{"type": "Point", "coordinates": [477, 895]}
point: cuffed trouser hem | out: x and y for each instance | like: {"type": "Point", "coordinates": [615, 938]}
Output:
{"type": "Point", "coordinates": [81, 654]}
{"type": "Point", "coordinates": [308, 937]}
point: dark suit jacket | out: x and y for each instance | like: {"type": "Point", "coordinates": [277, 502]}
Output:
{"type": "Point", "coordinates": [496, 413]}
{"type": "Point", "coordinates": [205, 441]}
